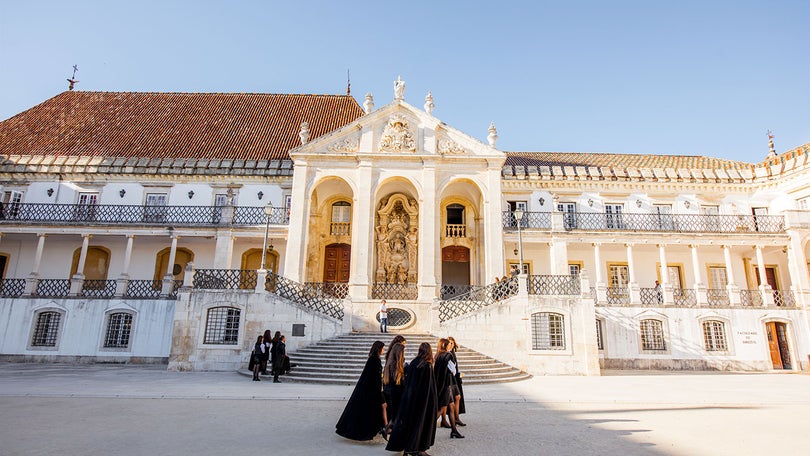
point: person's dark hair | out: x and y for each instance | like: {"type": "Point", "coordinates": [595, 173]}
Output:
{"type": "Point", "coordinates": [277, 336]}
{"type": "Point", "coordinates": [441, 347]}
{"type": "Point", "coordinates": [399, 339]}
{"type": "Point", "coordinates": [259, 339]}
{"type": "Point", "coordinates": [394, 365]}
{"type": "Point", "coordinates": [268, 335]}
{"type": "Point", "coordinates": [425, 353]}
{"type": "Point", "coordinates": [376, 348]}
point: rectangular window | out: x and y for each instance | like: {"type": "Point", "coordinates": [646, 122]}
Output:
{"type": "Point", "coordinates": [711, 216]}
{"type": "Point", "coordinates": [717, 277]}
{"type": "Point", "coordinates": [619, 275]}
{"type": "Point", "coordinates": [220, 199]}
{"type": "Point", "coordinates": [548, 332]}
{"type": "Point", "coordinates": [46, 330]}
{"type": "Point", "coordinates": [574, 268]}
{"type": "Point", "coordinates": [663, 217]}
{"type": "Point", "coordinates": [613, 216]}
{"type": "Point", "coordinates": [714, 335]}
{"type": "Point", "coordinates": [526, 267]}
{"type": "Point", "coordinates": [119, 328]}
{"type": "Point", "coordinates": [675, 278]}
{"type": "Point", "coordinates": [287, 207]}
{"type": "Point", "coordinates": [222, 326]}
{"type": "Point", "coordinates": [155, 210]}
{"type": "Point", "coordinates": [569, 211]}
{"type": "Point", "coordinates": [86, 206]}
{"type": "Point", "coordinates": [802, 205]}
{"type": "Point", "coordinates": [12, 200]}
{"type": "Point", "coordinates": [652, 335]}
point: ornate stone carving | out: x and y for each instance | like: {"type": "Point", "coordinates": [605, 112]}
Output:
{"type": "Point", "coordinates": [450, 147]}
{"type": "Point", "coordinates": [396, 136]}
{"type": "Point", "coordinates": [368, 105]}
{"type": "Point", "coordinates": [492, 137]}
{"type": "Point", "coordinates": [303, 134]}
{"type": "Point", "coordinates": [429, 105]}
{"type": "Point", "coordinates": [346, 145]}
{"type": "Point", "coordinates": [397, 240]}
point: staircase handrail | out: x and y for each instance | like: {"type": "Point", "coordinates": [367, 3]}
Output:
{"type": "Point", "coordinates": [477, 299]}
{"type": "Point", "coordinates": [307, 296]}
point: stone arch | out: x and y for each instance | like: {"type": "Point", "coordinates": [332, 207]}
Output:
{"type": "Point", "coordinates": [96, 265]}
{"type": "Point", "coordinates": [467, 193]}
{"type": "Point", "coordinates": [321, 231]}
{"type": "Point", "coordinates": [182, 257]}
{"type": "Point", "coordinates": [252, 259]}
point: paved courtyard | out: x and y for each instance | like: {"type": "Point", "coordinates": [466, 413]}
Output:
{"type": "Point", "coordinates": [145, 410]}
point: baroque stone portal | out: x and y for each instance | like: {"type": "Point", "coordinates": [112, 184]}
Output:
{"type": "Point", "coordinates": [396, 230]}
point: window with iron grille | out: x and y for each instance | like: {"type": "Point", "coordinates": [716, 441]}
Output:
{"type": "Point", "coordinates": [600, 344]}
{"type": "Point", "coordinates": [119, 329]}
{"type": "Point", "coordinates": [548, 332]}
{"type": "Point", "coordinates": [222, 326]}
{"type": "Point", "coordinates": [714, 335]}
{"type": "Point", "coordinates": [46, 331]}
{"type": "Point", "coordinates": [652, 335]}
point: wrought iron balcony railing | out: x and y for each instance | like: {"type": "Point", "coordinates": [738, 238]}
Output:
{"type": "Point", "coordinates": [394, 291]}
{"type": "Point", "coordinates": [554, 285]}
{"type": "Point", "coordinates": [750, 298]}
{"type": "Point", "coordinates": [111, 214]}
{"type": "Point", "coordinates": [304, 295]}
{"type": "Point", "coordinates": [684, 297]}
{"type": "Point", "coordinates": [784, 298]}
{"type": "Point", "coordinates": [12, 288]}
{"type": "Point", "coordinates": [679, 223]}
{"type": "Point", "coordinates": [449, 290]}
{"type": "Point", "coordinates": [337, 290]}
{"type": "Point", "coordinates": [717, 297]}
{"type": "Point", "coordinates": [477, 299]}
{"type": "Point", "coordinates": [225, 279]}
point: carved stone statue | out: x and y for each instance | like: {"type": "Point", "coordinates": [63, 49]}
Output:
{"type": "Point", "coordinates": [368, 104]}
{"type": "Point", "coordinates": [303, 134]}
{"type": "Point", "coordinates": [399, 89]}
{"type": "Point", "coordinates": [396, 231]}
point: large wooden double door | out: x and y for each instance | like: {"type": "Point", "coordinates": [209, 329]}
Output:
{"type": "Point", "coordinates": [778, 344]}
{"type": "Point", "coordinates": [337, 263]}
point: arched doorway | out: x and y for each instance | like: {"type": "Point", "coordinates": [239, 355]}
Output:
{"type": "Point", "coordinates": [336, 269]}
{"type": "Point", "coordinates": [778, 345]}
{"type": "Point", "coordinates": [182, 257]}
{"type": "Point", "coordinates": [252, 260]}
{"type": "Point", "coordinates": [455, 270]}
{"type": "Point", "coordinates": [96, 263]}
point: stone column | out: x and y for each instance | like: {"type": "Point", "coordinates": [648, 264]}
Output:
{"type": "Point", "coordinates": [732, 288]}
{"type": "Point", "coordinates": [764, 287]}
{"type": "Point", "coordinates": [295, 258]}
{"type": "Point", "coordinates": [429, 251]}
{"type": "Point", "coordinates": [669, 295]}
{"type": "Point", "coordinates": [633, 288]}
{"type": "Point", "coordinates": [33, 279]}
{"type": "Point", "coordinates": [559, 256]}
{"type": "Point", "coordinates": [168, 279]}
{"type": "Point", "coordinates": [701, 295]}
{"type": "Point", "coordinates": [364, 244]}
{"type": "Point", "coordinates": [223, 250]}
{"type": "Point", "coordinates": [797, 267]}
{"type": "Point", "coordinates": [123, 280]}
{"type": "Point", "coordinates": [601, 286]}
{"type": "Point", "coordinates": [77, 280]}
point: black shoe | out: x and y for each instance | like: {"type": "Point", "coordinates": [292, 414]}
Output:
{"type": "Point", "coordinates": [275, 380]}
{"type": "Point", "coordinates": [384, 433]}
{"type": "Point", "coordinates": [459, 423]}
{"type": "Point", "coordinates": [455, 435]}
{"type": "Point", "coordinates": [445, 425]}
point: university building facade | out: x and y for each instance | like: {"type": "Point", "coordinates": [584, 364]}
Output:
{"type": "Point", "coordinates": [175, 227]}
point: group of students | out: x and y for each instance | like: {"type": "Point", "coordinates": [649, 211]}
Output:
{"type": "Point", "coordinates": [272, 350]}
{"type": "Point", "coordinates": [403, 401]}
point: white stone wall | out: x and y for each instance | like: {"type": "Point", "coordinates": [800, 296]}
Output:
{"type": "Point", "coordinates": [82, 329]}
{"type": "Point", "coordinates": [259, 311]}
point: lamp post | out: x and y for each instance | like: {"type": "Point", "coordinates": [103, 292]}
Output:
{"type": "Point", "coordinates": [268, 211]}
{"type": "Point", "coordinates": [519, 217]}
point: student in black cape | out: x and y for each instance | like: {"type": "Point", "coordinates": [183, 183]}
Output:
{"type": "Point", "coordinates": [394, 380]}
{"type": "Point", "coordinates": [364, 415]}
{"type": "Point", "coordinates": [444, 387]}
{"type": "Point", "coordinates": [459, 393]}
{"type": "Point", "coordinates": [257, 356]}
{"type": "Point", "coordinates": [414, 428]}
{"type": "Point", "coordinates": [268, 336]}
{"type": "Point", "coordinates": [279, 354]}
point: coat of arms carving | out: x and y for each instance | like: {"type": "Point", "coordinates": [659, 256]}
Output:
{"type": "Point", "coordinates": [396, 137]}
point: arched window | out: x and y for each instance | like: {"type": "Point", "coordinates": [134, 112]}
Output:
{"type": "Point", "coordinates": [341, 219]}
{"type": "Point", "coordinates": [119, 330]}
{"type": "Point", "coordinates": [714, 335]}
{"type": "Point", "coordinates": [95, 265]}
{"type": "Point", "coordinates": [652, 335]}
{"type": "Point", "coordinates": [46, 329]}
{"type": "Point", "coordinates": [455, 214]}
{"type": "Point", "coordinates": [222, 326]}
{"type": "Point", "coordinates": [548, 331]}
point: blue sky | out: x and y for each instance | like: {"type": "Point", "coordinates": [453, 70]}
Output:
{"type": "Point", "coordinates": [660, 77]}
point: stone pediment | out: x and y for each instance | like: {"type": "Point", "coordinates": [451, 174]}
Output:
{"type": "Point", "coordinates": [395, 129]}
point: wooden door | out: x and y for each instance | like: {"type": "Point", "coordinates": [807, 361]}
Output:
{"type": "Point", "coordinates": [337, 263]}
{"type": "Point", "coordinates": [782, 342]}
{"type": "Point", "coordinates": [455, 265]}
{"type": "Point", "coordinates": [773, 345]}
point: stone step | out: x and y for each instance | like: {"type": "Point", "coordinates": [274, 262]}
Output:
{"type": "Point", "coordinates": [340, 360]}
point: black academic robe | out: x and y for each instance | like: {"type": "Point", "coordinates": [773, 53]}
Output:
{"type": "Point", "coordinates": [278, 353]}
{"type": "Point", "coordinates": [461, 408]}
{"type": "Point", "coordinates": [414, 427]}
{"type": "Point", "coordinates": [444, 378]}
{"type": "Point", "coordinates": [362, 418]}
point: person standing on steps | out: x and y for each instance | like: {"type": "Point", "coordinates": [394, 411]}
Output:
{"type": "Point", "coordinates": [383, 317]}
{"type": "Point", "coordinates": [279, 354]}
{"type": "Point", "coordinates": [365, 413]}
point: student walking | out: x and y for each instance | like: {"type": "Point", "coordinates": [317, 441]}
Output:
{"type": "Point", "coordinates": [257, 356]}
{"type": "Point", "coordinates": [365, 413]}
{"type": "Point", "coordinates": [414, 428]}
{"type": "Point", "coordinates": [444, 369]}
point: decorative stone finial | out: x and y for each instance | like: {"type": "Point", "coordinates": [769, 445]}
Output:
{"type": "Point", "coordinates": [304, 133]}
{"type": "Point", "coordinates": [771, 149]}
{"type": "Point", "coordinates": [368, 105]}
{"type": "Point", "coordinates": [399, 89]}
{"type": "Point", "coordinates": [429, 103]}
{"type": "Point", "coordinates": [492, 137]}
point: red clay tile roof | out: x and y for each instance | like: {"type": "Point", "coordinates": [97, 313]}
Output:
{"type": "Point", "coordinates": [248, 126]}
{"type": "Point", "coordinates": [620, 160]}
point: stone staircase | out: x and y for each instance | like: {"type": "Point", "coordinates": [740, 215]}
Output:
{"type": "Point", "coordinates": [340, 360]}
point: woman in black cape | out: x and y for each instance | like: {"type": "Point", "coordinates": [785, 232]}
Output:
{"type": "Point", "coordinates": [363, 417]}
{"type": "Point", "coordinates": [445, 387]}
{"type": "Point", "coordinates": [459, 394]}
{"type": "Point", "coordinates": [394, 380]}
{"type": "Point", "coordinates": [414, 428]}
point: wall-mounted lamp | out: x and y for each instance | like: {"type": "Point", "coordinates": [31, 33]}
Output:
{"type": "Point", "coordinates": [590, 202]}
{"type": "Point", "coordinates": [190, 194]}
{"type": "Point", "coordinates": [542, 201]}
{"type": "Point", "coordinates": [260, 195]}
{"type": "Point", "coordinates": [686, 204]}
{"type": "Point", "coordinates": [49, 191]}
{"type": "Point", "coordinates": [516, 252]}
{"type": "Point", "coordinates": [122, 192]}
{"type": "Point", "coordinates": [638, 203]}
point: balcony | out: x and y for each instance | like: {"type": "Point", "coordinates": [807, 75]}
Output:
{"type": "Point", "coordinates": [112, 214]}
{"type": "Point", "coordinates": [678, 223]}
{"type": "Point", "coordinates": [452, 230]}
{"type": "Point", "coordinates": [340, 228]}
